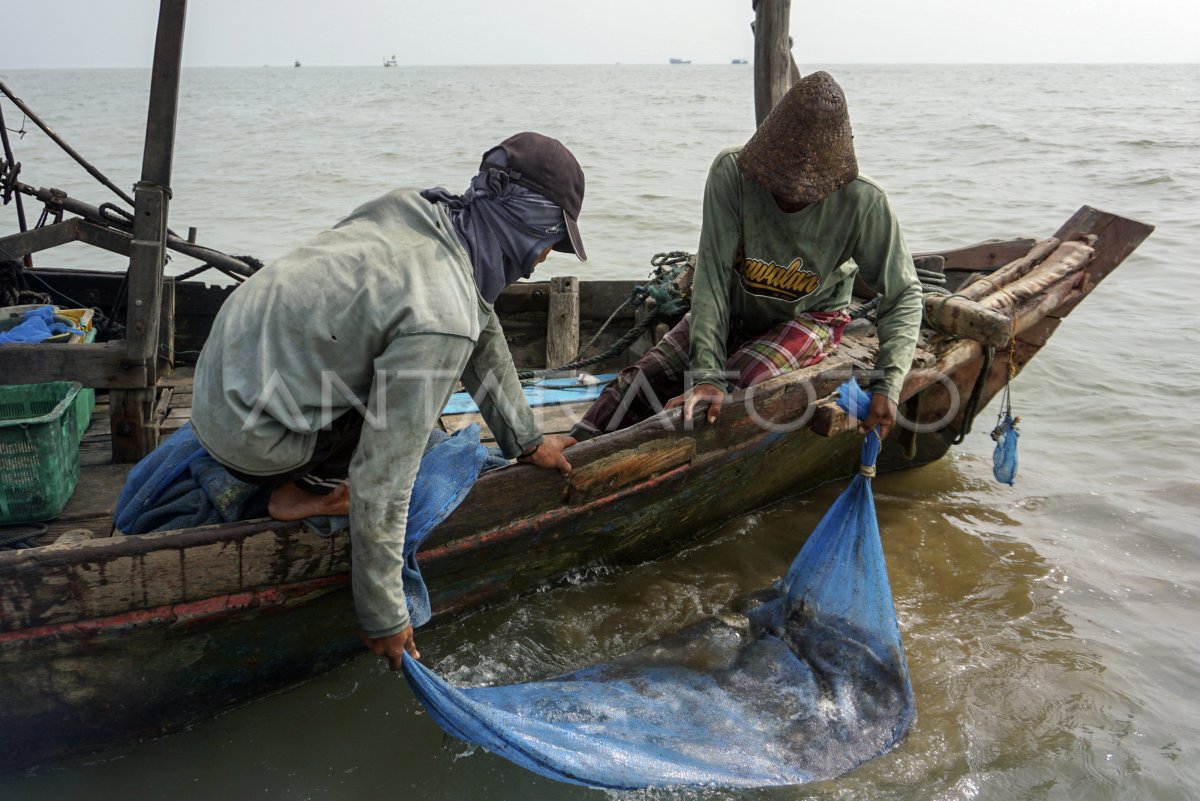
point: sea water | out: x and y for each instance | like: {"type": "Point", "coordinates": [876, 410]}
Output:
{"type": "Point", "coordinates": [1050, 627]}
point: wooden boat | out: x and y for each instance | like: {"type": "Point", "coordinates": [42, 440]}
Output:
{"type": "Point", "coordinates": [115, 638]}
{"type": "Point", "coordinates": [122, 637]}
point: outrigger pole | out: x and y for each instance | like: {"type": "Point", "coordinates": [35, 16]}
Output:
{"type": "Point", "coordinates": [128, 368]}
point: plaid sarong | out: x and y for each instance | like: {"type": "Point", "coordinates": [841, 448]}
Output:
{"type": "Point", "coordinates": [641, 391]}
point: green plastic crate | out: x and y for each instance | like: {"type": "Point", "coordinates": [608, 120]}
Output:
{"type": "Point", "coordinates": [40, 428]}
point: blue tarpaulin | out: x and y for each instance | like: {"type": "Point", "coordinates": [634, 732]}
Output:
{"type": "Point", "coordinates": [544, 392]}
{"type": "Point", "coordinates": [805, 685]}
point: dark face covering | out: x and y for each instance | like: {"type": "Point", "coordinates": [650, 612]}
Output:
{"type": "Point", "coordinates": [504, 227]}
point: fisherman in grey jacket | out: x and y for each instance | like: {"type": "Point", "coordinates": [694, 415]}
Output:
{"type": "Point", "coordinates": [334, 362]}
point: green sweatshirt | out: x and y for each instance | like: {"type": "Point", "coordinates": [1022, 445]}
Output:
{"type": "Point", "coordinates": [381, 313]}
{"type": "Point", "coordinates": [759, 266]}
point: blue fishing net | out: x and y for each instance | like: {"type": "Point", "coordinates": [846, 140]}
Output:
{"type": "Point", "coordinates": [806, 682]}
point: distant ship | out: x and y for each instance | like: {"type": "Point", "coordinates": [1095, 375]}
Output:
{"type": "Point", "coordinates": [297, 64]}
{"type": "Point", "coordinates": [390, 62]}
{"type": "Point", "coordinates": [739, 61]}
{"type": "Point", "coordinates": [681, 61]}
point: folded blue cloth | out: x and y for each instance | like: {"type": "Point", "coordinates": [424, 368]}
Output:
{"type": "Point", "coordinates": [37, 325]}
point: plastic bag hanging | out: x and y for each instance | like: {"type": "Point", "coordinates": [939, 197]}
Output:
{"type": "Point", "coordinates": [1004, 457]}
{"type": "Point", "coordinates": [809, 682]}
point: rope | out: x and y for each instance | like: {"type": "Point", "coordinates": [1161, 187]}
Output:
{"type": "Point", "coordinates": [115, 215]}
{"type": "Point", "coordinates": [669, 303]}
{"type": "Point", "coordinates": [617, 348]}
{"type": "Point", "coordinates": [932, 283]}
{"type": "Point", "coordinates": [603, 328]}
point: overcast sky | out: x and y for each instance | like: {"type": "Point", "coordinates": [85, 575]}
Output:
{"type": "Point", "coordinates": [120, 33]}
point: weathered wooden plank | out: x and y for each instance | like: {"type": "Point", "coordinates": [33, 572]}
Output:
{"type": "Point", "coordinates": [523, 296]}
{"type": "Point", "coordinates": [562, 321]}
{"type": "Point", "coordinates": [134, 430]}
{"type": "Point", "coordinates": [166, 324]}
{"type": "Point", "coordinates": [598, 300]}
{"type": "Point", "coordinates": [982, 256]}
{"type": "Point", "coordinates": [1116, 237]}
{"type": "Point", "coordinates": [45, 586]}
{"type": "Point", "coordinates": [615, 471]}
{"type": "Point", "coordinates": [39, 239]}
{"type": "Point", "coordinates": [104, 364]}
{"type": "Point", "coordinates": [104, 238]}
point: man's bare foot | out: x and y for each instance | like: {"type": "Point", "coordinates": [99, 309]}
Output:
{"type": "Point", "coordinates": [289, 502]}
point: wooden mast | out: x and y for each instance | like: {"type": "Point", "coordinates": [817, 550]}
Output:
{"type": "Point", "coordinates": [134, 431]}
{"type": "Point", "coordinates": [774, 68]}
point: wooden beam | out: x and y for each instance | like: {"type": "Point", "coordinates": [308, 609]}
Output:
{"type": "Point", "coordinates": [166, 324]}
{"type": "Point", "coordinates": [104, 238]}
{"type": "Point", "coordinates": [100, 365]}
{"type": "Point", "coordinates": [562, 322]}
{"type": "Point", "coordinates": [16, 246]}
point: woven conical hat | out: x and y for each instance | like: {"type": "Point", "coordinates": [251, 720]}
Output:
{"type": "Point", "coordinates": [804, 149]}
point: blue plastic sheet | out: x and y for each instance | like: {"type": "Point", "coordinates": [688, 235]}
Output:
{"type": "Point", "coordinates": [1004, 457]}
{"type": "Point", "coordinates": [807, 682]}
{"type": "Point", "coordinates": [545, 392]}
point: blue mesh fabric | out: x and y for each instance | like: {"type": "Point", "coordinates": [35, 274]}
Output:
{"type": "Point", "coordinates": [806, 683]}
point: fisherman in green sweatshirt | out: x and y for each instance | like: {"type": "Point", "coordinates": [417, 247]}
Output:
{"type": "Point", "coordinates": [782, 219]}
{"type": "Point", "coordinates": [335, 362]}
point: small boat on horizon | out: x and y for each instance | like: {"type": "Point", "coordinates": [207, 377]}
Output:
{"type": "Point", "coordinates": [390, 62]}
{"type": "Point", "coordinates": [296, 63]}
{"type": "Point", "coordinates": [739, 61]}
{"type": "Point", "coordinates": [681, 61]}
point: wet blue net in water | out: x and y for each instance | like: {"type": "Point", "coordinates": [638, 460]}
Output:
{"type": "Point", "coordinates": [807, 682]}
